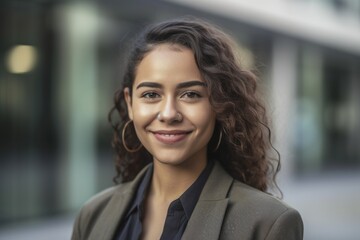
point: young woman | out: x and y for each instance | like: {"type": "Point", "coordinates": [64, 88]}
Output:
{"type": "Point", "coordinates": [191, 146]}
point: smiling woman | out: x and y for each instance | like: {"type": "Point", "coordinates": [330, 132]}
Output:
{"type": "Point", "coordinates": [170, 109]}
{"type": "Point", "coordinates": [191, 146]}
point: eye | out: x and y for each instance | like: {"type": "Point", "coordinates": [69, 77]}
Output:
{"type": "Point", "coordinates": [150, 95]}
{"type": "Point", "coordinates": [191, 94]}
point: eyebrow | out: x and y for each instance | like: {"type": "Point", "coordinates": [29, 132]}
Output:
{"type": "Point", "coordinates": [180, 85]}
{"type": "Point", "coordinates": [190, 84]}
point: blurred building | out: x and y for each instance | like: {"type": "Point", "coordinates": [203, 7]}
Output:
{"type": "Point", "coordinates": [62, 60]}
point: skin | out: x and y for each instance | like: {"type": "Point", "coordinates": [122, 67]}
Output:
{"type": "Point", "coordinates": [168, 83]}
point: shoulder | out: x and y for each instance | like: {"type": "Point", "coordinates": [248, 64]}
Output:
{"type": "Point", "coordinates": [242, 194]}
{"type": "Point", "coordinates": [93, 209]}
{"type": "Point", "coordinates": [109, 198]}
{"type": "Point", "coordinates": [104, 207]}
{"type": "Point", "coordinates": [99, 201]}
{"type": "Point", "coordinates": [262, 214]}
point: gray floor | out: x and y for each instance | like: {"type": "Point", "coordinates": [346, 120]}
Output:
{"type": "Point", "coordinates": [58, 228]}
{"type": "Point", "coordinates": [330, 206]}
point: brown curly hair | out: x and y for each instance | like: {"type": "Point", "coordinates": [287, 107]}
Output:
{"type": "Point", "coordinates": [240, 115]}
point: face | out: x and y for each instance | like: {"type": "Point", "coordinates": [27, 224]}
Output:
{"type": "Point", "coordinates": [170, 106]}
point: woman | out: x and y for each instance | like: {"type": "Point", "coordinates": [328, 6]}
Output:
{"type": "Point", "coordinates": [191, 146]}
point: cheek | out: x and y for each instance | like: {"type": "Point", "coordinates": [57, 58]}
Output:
{"type": "Point", "coordinates": [203, 117]}
{"type": "Point", "coordinates": [142, 113]}
{"type": "Point", "coordinates": [141, 118]}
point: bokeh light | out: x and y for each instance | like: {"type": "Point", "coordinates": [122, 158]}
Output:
{"type": "Point", "coordinates": [21, 59]}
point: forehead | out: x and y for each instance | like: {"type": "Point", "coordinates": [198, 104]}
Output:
{"type": "Point", "coordinates": [168, 63]}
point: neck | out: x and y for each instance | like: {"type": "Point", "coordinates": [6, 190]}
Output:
{"type": "Point", "coordinates": [169, 182]}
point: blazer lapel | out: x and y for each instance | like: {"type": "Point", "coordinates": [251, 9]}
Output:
{"type": "Point", "coordinates": [206, 220]}
{"type": "Point", "coordinates": [109, 219]}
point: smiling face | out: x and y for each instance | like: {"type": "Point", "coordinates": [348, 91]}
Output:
{"type": "Point", "coordinates": [170, 106]}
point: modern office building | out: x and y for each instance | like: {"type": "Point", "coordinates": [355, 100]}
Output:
{"type": "Point", "coordinates": [61, 62]}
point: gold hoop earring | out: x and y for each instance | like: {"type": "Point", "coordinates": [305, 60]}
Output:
{"type": "Point", "coordinates": [123, 139]}
{"type": "Point", "coordinates": [218, 143]}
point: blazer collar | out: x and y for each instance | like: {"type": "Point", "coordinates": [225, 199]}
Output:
{"type": "Point", "coordinates": [204, 224]}
{"type": "Point", "coordinates": [206, 220]}
{"type": "Point", "coordinates": [108, 221]}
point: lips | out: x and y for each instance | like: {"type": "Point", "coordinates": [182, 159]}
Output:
{"type": "Point", "coordinates": [170, 137]}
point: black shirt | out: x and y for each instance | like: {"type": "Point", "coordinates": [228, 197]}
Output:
{"type": "Point", "coordinates": [178, 214]}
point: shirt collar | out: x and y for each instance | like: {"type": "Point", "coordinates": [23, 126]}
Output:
{"type": "Point", "coordinates": [188, 199]}
{"type": "Point", "coordinates": [141, 191]}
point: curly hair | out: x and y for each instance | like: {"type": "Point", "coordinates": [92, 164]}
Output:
{"type": "Point", "coordinates": [240, 113]}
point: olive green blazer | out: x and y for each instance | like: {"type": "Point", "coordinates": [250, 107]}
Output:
{"type": "Point", "coordinates": [227, 209]}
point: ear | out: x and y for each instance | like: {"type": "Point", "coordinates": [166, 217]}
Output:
{"type": "Point", "coordinates": [127, 96]}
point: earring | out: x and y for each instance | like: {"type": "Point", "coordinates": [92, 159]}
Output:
{"type": "Point", "coordinates": [218, 143]}
{"type": "Point", "coordinates": [123, 139]}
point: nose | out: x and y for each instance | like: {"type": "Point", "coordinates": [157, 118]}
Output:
{"type": "Point", "coordinates": [169, 112]}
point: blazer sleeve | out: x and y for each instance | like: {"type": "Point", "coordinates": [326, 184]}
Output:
{"type": "Point", "coordinates": [76, 233]}
{"type": "Point", "coordinates": [288, 226]}
{"type": "Point", "coordinates": [89, 214]}
{"type": "Point", "coordinates": [76, 229]}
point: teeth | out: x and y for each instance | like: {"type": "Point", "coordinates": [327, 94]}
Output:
{"type": "Point", "coordinates": [169, 135]}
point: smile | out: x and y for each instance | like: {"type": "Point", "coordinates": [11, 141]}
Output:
{"type": "Point", "coordinates": [170, 137]}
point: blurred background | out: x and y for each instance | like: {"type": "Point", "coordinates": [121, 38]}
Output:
{"type": "Point", "coordinates": [60, 63]}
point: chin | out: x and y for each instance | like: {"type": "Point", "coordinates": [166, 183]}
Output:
{"type": "Point", "coordinates": [176, 158]}
{"type": "Point", "coordinates": [169, 161]}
